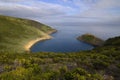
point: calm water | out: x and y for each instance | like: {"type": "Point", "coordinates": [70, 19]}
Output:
{"type": "Point", "coordinates": [65, 39]}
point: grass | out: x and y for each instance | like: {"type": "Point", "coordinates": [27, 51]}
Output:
{"type": "Point", "coordinates": [16, 32]}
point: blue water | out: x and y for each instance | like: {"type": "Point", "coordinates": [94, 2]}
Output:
{"type": "Point", "coordinates": [65, 39]}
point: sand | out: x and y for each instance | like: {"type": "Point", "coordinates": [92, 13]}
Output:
{"type": "Point", "coordinates": [32, 42]}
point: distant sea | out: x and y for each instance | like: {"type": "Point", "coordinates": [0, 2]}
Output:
{"type": "Point", "coordinates": [65, 39]}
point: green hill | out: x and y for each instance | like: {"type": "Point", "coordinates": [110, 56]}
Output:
{"type": "Point", "coordinates": [91, 39]}
{"type": "Point", "coordinates": [16, 32]}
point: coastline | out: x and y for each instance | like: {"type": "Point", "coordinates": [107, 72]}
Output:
{"type": "Point", "coordinates": [32, 42]}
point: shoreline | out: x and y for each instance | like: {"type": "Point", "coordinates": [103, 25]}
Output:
{"type": "Point", "coordinates": [32, 42]}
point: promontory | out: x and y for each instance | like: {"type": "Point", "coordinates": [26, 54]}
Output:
{"type": "Point", "coordinates": [91, 39]}
{"type": "Point", "coordinates": [18, 35]}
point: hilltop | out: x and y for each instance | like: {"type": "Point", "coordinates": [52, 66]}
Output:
{"type": "Point", "coordinates": [15, 33]}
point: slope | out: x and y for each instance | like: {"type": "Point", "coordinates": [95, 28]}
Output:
{"type": "Point", "coordinates": [16, 32]}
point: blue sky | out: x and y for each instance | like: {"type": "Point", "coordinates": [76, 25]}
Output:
{"type": "Point", "coordinates": [58, 11]}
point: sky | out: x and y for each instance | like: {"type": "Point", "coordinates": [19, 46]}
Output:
{"type": "Point", "coordinates": [63, 11]}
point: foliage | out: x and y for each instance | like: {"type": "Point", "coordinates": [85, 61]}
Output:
{"type": "Point", "coordinates": [113, 41]}
{"type": "Point", "coordinates": [101, 63]}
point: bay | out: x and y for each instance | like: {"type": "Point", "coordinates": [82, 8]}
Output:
{"type": "Point", "coordinates": [64, 40]}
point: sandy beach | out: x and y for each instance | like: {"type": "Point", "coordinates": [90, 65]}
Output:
{"type": "Point", "coordinates": [32, 42]}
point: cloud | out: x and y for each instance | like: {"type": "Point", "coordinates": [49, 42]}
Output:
{"type": "Point", "coordinates": [105, 10]}
{"type": "Point", "coordinates": [68, 11]}
{"type": "Point", "coordinates": [65, 0]}
{"type": "Point", "coordinates": [11, 0]}
{"type": "Point", "coordinates": [32, 9]}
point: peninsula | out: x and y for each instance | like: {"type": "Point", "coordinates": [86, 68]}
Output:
{"type": "Point", "coordinates": [91, 39]}
{"type": "Point", "coordinates": [18, 35]}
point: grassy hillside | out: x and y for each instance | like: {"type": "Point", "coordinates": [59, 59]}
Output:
{"type": "Point", "coordinates": [16, 32]}
{"type": "Point", "coordinates": [102, 63]}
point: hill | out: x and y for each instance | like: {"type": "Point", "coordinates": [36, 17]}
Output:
{"type": "Point", "coordinates": [15, 33]}
{"type": "Point", "coordinates": [91, 39]}
{"type": "Point", "coordinates": [113, 42]}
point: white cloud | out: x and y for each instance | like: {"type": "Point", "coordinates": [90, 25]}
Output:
{"type": "Point", "coordinates": [32, 9]}
{"type": "Point", "coordinates": [93, 10]}
{"type": "Point", "coordinates": [65, 0]}
{"type": "Point", "coordinates": [11, 0]}
{"type": "Point", "coordinates": [104, 10]}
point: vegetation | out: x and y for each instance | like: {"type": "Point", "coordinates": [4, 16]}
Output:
{"type": "Point", "coordinates": [91, 39]}
{"type": "Point", "coordinates": [101, 63]}
{"type": "Point", "coordinates": [16, 32]}
{"type": "Point", "coordinates": [113, 42]}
